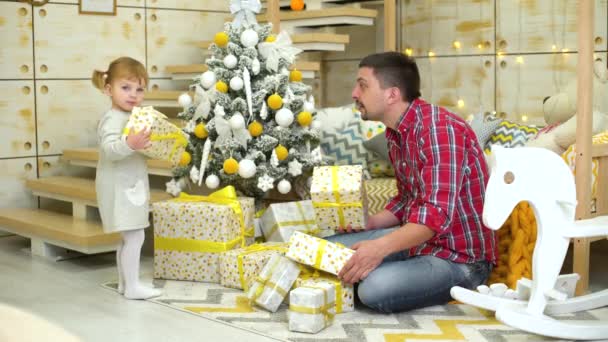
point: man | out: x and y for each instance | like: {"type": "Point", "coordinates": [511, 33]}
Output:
{"type": "Point", "coordinates": [439, 240]}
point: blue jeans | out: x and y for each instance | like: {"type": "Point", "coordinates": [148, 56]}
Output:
{"type": "Point", "coordinates": [403, 283]}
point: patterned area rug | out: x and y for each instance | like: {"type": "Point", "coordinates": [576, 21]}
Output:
{"type": "Point", "coordinates": [452, 322]}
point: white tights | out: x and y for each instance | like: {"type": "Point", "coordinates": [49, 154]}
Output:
{"type": "Point", "coordinates": [127, 260]}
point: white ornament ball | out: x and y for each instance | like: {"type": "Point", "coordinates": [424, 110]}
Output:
{"type": "Point", "coordinates": [230, 61]}
{"type": "Point", "coordinates": [208, 79]}
{"type": "Point", "coordinates": [316, 124]}
{"type": "Point", "coordinates": [237, 121]}
{"type": "Point", "coordinates": [308, 107]}
{"type": "Point", "coordinates": [284, 187]}
{"type": "Point", "coordinates": [184, 100]}
{"type": "Point", "coordinates": [212, 181]}
{"type": "Point", "coordinates": [247, 168]}
{"type": "Point", "coordinates": [284, 117]}
{"type": "Point", "coordinates": [249, 38]}
{"type": "Point", "coordinates": [285, 72]}
{"type": "Point", "coordinates": [236, 83]}
{"type": "Point", "coordinates": [255, 66]}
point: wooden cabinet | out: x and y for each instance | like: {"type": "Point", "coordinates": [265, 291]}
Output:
{"type": "Point", "coordinates": [16, 56]}
{"type": "Point", "coordinates": [17, 122]}
{"type": "Point", "coordinates": [12, 182]}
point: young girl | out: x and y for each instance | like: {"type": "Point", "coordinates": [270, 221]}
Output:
{"type": "Point", "coordinates": [122, 176]}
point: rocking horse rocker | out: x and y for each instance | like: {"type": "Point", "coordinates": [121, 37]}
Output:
{"type": "Point", "coordinates": [521, 175]}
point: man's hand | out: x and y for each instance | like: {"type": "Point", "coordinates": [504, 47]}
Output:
{"type": "Point", "coordinates": [139, 140]}
{"type": "Point", "coordinates": [369, 254]}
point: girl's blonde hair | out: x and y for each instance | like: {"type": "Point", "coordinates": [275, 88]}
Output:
{"type": "Point", "coordinates": [123, 67]}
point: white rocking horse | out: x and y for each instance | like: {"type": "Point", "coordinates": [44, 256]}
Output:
{"type": "Point", "coordinates": [540, 177]}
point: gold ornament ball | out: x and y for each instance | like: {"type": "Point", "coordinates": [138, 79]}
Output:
{"type": "Point", "coordinates": [295, 76]}
{"type": "Point", "coordinates": [256, 129]}
{"type": "Point", "coordinates": [281, 152]}
{"type": "Point", "coordinates": [221, 86]}
{"type": "Point", "coordinates": [304, 119]}
{"type": "Point", "coordinates": [270, 38]}
{"type": "Point", "coordinates": [201, 131]}
{"type": "Point", "coordinates": [185, 159]}
{"type": "Point", "coordinates": [275, 101]}
{"type": "Point", "coordinates": [231, 166]}
{"type": "Point", "coordinates": [221, 39]}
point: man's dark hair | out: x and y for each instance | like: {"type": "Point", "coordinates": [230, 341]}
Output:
{"type": "Point", "coordinates": [394, 69]}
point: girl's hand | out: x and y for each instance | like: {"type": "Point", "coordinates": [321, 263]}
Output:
{"type": "Point", "coordinates": [139, 140]}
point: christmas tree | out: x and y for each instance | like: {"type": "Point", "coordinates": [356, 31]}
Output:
{"type": "Point", "coordinates": [251, 122]}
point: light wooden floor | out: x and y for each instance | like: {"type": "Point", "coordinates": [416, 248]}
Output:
{"type": "Point", "coordinates": [68, 293]}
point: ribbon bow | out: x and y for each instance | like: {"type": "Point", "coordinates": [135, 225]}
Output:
{"type": "Point", "coordinates": [280, 48]}
{"type": "Point", "coordinates": [225, 132]}
{"type": "Point", "coordinates": [243, 12]}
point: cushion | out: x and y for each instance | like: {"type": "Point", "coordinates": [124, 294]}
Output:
{"type": "Point", "coordinates": [569, 157]}
{"type": "Point", "coordinates": [379, 168]}
{"type": "Point", "coordinates": [345, 146]}
{"type": "Point", "coordinates": [333, 118]}
{"type": "Point", "coordinates": [372, 128]}
{"type": "Point", "coordinates": [484, 127]}
{"type": "Point", "coordinates": [379, 146]}
{"type": "Point", "coordinates": [511, 134]}
{"type": "Point", "coordinates": [379, 191]}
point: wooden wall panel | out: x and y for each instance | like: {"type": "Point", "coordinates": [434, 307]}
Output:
{"type": "Point", "coordinates": [201, 5]}
{"type": "Point", "coordinates": [13, 192]}
{"type": "Point", "coordinates": [524, 81]}
{"type": "Point", "coordinates": [172, 37]}
{"type": "Point", "coordinates": [544, 25]}
{"type": "Point", "coordinates": [114, 36]}
{"type": "Point", "coordinates": [119, 3]}
{"type": "Point", "coordinates": [17, 122]}
{"type": "Point", "coordinates": [464, 85]}
{"type": "Point", "coordinates": [68, 112]}
{"type": "Point", "coordinates": [16, 54]}
{"type": "Point", "coordinates": [339, 81]}
{"type": "Point", "coordinates": [436, 26]}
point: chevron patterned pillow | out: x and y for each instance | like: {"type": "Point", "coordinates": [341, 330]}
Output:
{"type": "Point", "coordinates": [345, 146]}
{"type": "Point", "coordinates": [511, 134]}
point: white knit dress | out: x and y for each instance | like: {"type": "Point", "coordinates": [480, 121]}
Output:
{"type": "Point", "coordinates": [123, 191]}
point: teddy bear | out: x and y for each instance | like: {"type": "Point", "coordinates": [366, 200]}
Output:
{"type": "Point", "coordinates": [560, 109]}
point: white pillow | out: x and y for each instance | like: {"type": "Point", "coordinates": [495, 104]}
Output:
{"type": "Point", "coordinates": [335, 118]}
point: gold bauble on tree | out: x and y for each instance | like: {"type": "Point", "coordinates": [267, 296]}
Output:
{"type": "Point", "coordinates": [275, 101]}
{"type": "Point", "coordinates": [281, 152]}
{"type": "Point", "coordinates": [270, 38]}
{"type": "Point", "coordinates": [256, 129]}
{"type": "Point", "coordinates": [221, 39]}
{"type": "Point", "coordinates": [304, 119]}
{"type": "Point", "coordinates": [231, 166]}
{"type": "Point", "coordinates": [221, 86]}
{"type": "Point", "coordinates": [295, 76]}
{"type": "Point", "coordinates": [185, 159]}
{"type": "Point", "coordinates": [201, 131]}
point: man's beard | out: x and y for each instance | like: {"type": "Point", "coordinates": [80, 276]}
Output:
{"type": "Point", "coordinates": [362, 110]}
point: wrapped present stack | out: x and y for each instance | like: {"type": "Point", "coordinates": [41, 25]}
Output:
{"type": "Point", "coordinates": [190, 232]}
{"type": "Point", "coordinates": [167, 141]}
{"type": "Point", "coordinates": [338, 196]}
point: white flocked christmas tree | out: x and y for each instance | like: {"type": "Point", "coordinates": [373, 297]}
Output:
{"type": "Point", "coordinates": [252, 120]}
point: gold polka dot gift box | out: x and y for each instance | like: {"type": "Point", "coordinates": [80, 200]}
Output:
{"type": "Point", "coordinates": [239, 266]}
{"type": "Point", "coordinates": [269, 289]}
{"type": "Point", "coordinates": [280, 220]}
{"type": "Point", "coordinates": [338, 196]}
{"type": "Point", "coordinates": [311, 307]}
{"type": "Point", "coordinates": [168, 142]}
{"type": "Point", "coordinates": [345, 293]}
{"type": "Point", "coordinates": [190, 232]}
{"type": "Point", "coordinates": [318, 253]}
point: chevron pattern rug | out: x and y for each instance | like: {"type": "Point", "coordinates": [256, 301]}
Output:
{"type": "Point", "coordinates": [452, 322]}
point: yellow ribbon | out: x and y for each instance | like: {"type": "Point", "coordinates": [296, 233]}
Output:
{"type": "Point", "coordinates": [302, 222]}
{"type": "Point", "coordinates": [323, 309]}
{"type": "Point", "coordinates": [225, 196]}
{"type": "Point", "coordinates": [180, 140]}
{"type": "Point", "coordinates": [337, 204]}
{"type": "Point", "coordinates": [254, 249]}
{"type": "Point", "coordinates": [307, 274]}
{"type": "Point", "coordinates": [192, 245]}
{"type": "Point", "coordinates": [264, 282]}
{"type": "Point", "coordinates": [320, 252]}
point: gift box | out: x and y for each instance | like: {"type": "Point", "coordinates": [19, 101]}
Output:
{"type": "Point", "coordinates": [318, 253]}
{"type": "Point", "coordinates": [338, 196]}
{"type": "Point", "coordinates": [345, 293]}
{"type": "Point", "coordinates": [311, 307]}
{"type": "Point", "coordinates": [269, 289]}
{"type": "Point", "coordinates": [280, 220]}
{"type": "Point", "coordinates": [191, 231]}
{"type": "Point", "coordinates": [238, 266]}
{"type": "Point", "coordinates": [167, 141]}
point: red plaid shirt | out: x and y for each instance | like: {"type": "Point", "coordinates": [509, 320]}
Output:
{"type": "Point", "coordinates": [441, 178]}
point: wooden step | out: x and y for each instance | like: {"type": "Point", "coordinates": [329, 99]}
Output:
{"type": "Point", "coordinates": [335, 16]}
{"type": "Point", "coordinates": [311, 41]}
{"type": "Point", "coordinates": [89, 156]}
{"type": "Point", "coordinates": [162, 98]}
{"type": "Point", "coordinates": [285, 4]}
{"type": "Point", "coordinates": [47, 229]}
{"type": "Point", "coordinates": [186, 72]}
{"type": "Point", "coordinates": [76, 190]}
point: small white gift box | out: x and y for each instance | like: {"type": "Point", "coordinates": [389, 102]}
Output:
{"type": "Point", "coordinates": [269, 289]}
{"type": "Point", "coordinates": [311, 307]}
